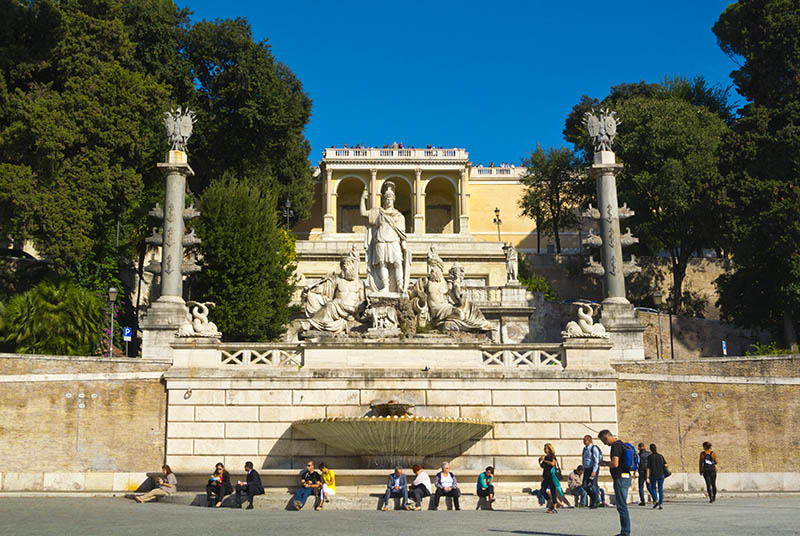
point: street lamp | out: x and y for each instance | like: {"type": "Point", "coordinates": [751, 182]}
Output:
{"type": "Point", "coordinates": [670, 304]}
{"type": "Point", "coordinates": [288, 213]}
{"type": "Point", "coordinates": [657, 302]}
{"type": "Point", "coordinates": [112, 297]}
{"type": "Point", "coordinates": [497, 221]}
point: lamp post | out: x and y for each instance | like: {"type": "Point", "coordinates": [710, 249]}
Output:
{"type": "Point", "coordinates": [288, 213]}
{"type": "Point", "coordinates": [657, 302]}
{"type": "Point", "coordinates": [670, 303]}
{"type": "Point", "coordinates": [497, 221]}
{"type": "Point", "coordinates": [112, 297]}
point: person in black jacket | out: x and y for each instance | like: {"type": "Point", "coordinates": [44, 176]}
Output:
{"type": "Point", "coordinates": [252, 486]}
{"type": "Point", "coordinates": [656, 472]}
{"type": "Point", "coordinates": [219, 485]}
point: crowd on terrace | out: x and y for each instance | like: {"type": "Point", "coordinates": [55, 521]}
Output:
{"type": "Point", "coordinates": [399, 145]}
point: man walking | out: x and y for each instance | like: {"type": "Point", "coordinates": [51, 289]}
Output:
{"type": "Point", "coordinates": [644, 454]}
{"type": "Point", "coordinates": [591, 459]}
{"type": "Point", "coordinates": [621, 473]}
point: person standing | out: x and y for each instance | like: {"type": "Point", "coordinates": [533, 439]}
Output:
{"type": "Point", "coordinates": [656, 470]}
{"type": "Point", "coordinates": [421, 487]}
{"type": "Point", "coordinates": [251, 486]}
{"type": "Point", "coordinates": [708, 468]}
{"type": "Point", "coordinates": [642, 470]}
{"type": "Point", "coordinates": [591, 459]}
{"type": "Point", "coordinates": [621, 474]}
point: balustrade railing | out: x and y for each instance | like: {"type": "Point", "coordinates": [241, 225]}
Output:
{"type": "Point", "coordinates": [523, 355]}
{"type": "Point", "coordinates": [396, 153]}
{"type": "Point", "coordinates": [264, 354]}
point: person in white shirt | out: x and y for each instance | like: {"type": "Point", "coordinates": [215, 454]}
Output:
{"type": "Point", "coordinates": [446, 485]}
{"type": "Point", "coordinates": [421, 487]}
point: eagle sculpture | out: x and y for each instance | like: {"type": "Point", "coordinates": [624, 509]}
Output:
{"type": "Point", "coordinates": [602, 129]}
{"type": "Point", "coordinates": [179, 128]}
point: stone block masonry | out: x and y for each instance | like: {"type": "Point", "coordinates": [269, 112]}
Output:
{"type": "Point", "coordinates": [241, 413]}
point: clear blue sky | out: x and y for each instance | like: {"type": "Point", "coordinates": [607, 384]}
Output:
{"type": "Point", "coordinates": [493, 77]}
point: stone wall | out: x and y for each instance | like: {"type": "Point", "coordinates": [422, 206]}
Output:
{"type": "Point", "coordinates": [747, 408]}
{"type": "Point", "coordinates": [246, 414]}
{"type": "Point", "coordinates": [50, 442]}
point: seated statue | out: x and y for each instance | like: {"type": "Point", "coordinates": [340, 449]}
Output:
{"type": "Point", "coordinates": [335, 299]}
{"type": "Point", "coordinates": [441, 302]}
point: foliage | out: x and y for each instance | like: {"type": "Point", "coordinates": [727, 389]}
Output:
{"type": "Point", "coordinates": [552, 190]}
{"type": "Point", "coordinates": [767, 349]}
{"type": "Point", "coordinates": [247, 270]}
{"type": "Point", "coordinates": [533, 281]}
{"type": "Point", "coordinates": [762, 164]}
{"type": "Point", "coordinates": [693, 304]}
{"type": "Point", "coordinates": [54, 318]}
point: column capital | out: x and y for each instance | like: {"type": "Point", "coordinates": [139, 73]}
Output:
{"type": "Point", "coordinates": [418, 173]}
{"type": "Point", "coordinates": [373, 173]}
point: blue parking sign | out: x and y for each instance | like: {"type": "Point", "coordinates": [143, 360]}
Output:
{"type": "Point", "coordinates": [126, 334]}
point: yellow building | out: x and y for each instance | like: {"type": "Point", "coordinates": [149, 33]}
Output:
{"type": "Point", "coordinates": [447, 203]}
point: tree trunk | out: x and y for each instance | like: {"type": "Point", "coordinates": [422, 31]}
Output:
{"type": "Point", "coordinates": [679, 263]}
{"type": "Point", "coordinates": [789, 334]}
{"type": "Point", "coordinates": [555, 235]}
{"type": "Point", "coordinates": [538, 236]}
{"type": "Point", "coordinates": [139, 271]}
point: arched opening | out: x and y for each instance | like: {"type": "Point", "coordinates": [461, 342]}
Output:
{"type": "Point", "coordinates": [348, 199]}
{"type": "Point", "coordinates": [403, 199]}
{"type": "Point", "coordinates": [440, 207]}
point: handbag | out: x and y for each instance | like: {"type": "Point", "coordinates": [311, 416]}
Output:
{"type": "Point", "coordinates": [667, 472]}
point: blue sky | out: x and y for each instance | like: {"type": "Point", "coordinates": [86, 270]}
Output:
{"type": "Point", "coordinates": [492, 77]}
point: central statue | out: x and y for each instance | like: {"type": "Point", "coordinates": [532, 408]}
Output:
{"type": "Point", "coordinates": [388, 258]}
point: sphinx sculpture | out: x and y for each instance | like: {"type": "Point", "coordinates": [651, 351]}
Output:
{"type": "Point", "coordinates": [439, 300]}
{"type": "Point", "coordinates": [337, 298]}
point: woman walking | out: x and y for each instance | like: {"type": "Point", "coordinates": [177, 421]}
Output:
{"type": "Point", "coordinates": [708, 468]}
{"type": "Point", "coordinates": [656, 469]}
{"type": "Point", "coordinates": [548, 465]}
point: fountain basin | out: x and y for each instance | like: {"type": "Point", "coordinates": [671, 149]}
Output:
{"type": "Point", "coordinates": [393, 440]}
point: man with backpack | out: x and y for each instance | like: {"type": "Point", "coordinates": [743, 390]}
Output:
{"type": "Point", "coordinates": [623, 458]}
{"type": "Point", "coordinates": [590, 460]}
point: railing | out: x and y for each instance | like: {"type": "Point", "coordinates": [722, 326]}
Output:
{"type": "Point", "coordinates": [257, 355]}
{"type": "Point", "coordinates": [497, 171]}
{"type": "Point", "coordinates": [523, 356]}
{"type": "Point", "coordinates": [386, 152]}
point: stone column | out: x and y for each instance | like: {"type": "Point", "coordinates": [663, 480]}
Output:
{"type": "Point", "coordinates": [327, 218]}
{"type": "Point", "coordinates": [419, 203]}
{"type": "Point", "coordinates": [463, 209]}
{"type": "Point", "coordinates": [373, 188]}
{"type": "Point", "coordinates": [605, 170]}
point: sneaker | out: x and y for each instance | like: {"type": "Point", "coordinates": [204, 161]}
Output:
{"type": "Point", "coordinates": [297, 505]}
{"type": "Point", "coordinates": [385, 508]}
{"type": "Point", "coordinates": [641, 504]}
{"type": "Point", "coordinates": [655, 506]}
{"type": "Point", "coordinates": [659, 507]}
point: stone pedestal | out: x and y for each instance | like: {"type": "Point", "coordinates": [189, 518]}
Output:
{"type": "Point", "coordinates": [162, 320]}
{"type": "Point", "coordinates": [327, 224]}
{"type": "Point", "coordinates": [419, 224]}
{"type": "Point", "coordinates": [587, 353]}
{"type": "Point", "coordinates": [625, 330]}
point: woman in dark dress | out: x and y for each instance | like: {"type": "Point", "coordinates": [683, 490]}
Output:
{"type": "Point", "coordinates": [219, 485]}
{"type": "Point", "coordinates": [547, 463]}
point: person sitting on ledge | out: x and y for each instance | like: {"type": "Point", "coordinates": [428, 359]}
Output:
{"type": "Point", "coordinates": [421, 487]}
{"type": "Point", "coordinates": [219, 485]}
{"type": "Point", "coordinates": [396, 487]}
{"type": "Point", "coordinates": [328, 482]}
{"type": "Point", "coordinates": [251, 486]}
{"type": "Point", "coordinates": [446, 485]}
{"type": "Point", "coordinates": [310, 484]}
{"type": "Point", "coordinates": [485, 487]}
{"type": "Point", "coordinates": [166, 485]}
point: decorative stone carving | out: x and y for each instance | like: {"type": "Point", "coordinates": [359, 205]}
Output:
{"type": "Point", "coordinates": [336, 299]}
{"type": "Point", "coordinates": [197, 323]}
{"type": "Point", "coordinates": [585, 326]}
{"type": "Point", "coordinates": [179, 128]}
{"type": "Point", "coordinates": [512, 264]}
{"type": "Point", "coordinates": [441, 301]}
{"type": "Point", "coordinates": [602, 128]}
{"type": "Point", "coordinates": [387, 256]}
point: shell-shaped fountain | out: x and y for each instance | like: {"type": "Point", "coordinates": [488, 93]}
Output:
{"type": "Point", "coordinates": [390, 435]}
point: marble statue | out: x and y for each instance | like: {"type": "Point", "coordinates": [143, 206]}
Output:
{"type": "Point", "coordinates": [179, 128]}
{"type": "Point", "coordinates": [388, 258]}
{"type": "Point", "coordinates": [439, 300]}
{"type": "Point", "coordinates": [512, 263]}
{"type": "Point", "coordinates": [335, 299]}
{"type": "Point", "coordinates": [585, 326]}
{"type": "Point", "coordinates": [197, 323]}
{"type": "Point", "coordinates": [601, 128]}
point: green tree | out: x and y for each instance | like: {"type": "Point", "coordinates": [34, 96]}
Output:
{"type": "Point", "coordinates": [762, 164]}
{"type": "Point", "coordinates": [54, 318]}
{"type": "Point", "coordinates": [247, 268]}
{"type": "Point", "coordinates": [552, 190]}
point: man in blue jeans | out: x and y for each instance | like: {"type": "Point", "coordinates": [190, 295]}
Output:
{"type": "Point", "coordinates": [591, 458]}
{"type": "Point", "coordinates": [310, 484]}
{"type": "Point", "coordinates": [621, 473]}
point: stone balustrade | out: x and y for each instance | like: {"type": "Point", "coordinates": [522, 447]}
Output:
{"type": "Point", "coordinates": [523, 355]}
{"type": "Point", "coordinates": [267, 354]}
{"type": "Point", "coordinates": [382, 153]}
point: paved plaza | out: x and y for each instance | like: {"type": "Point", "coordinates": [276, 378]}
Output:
{"type": "Point", "coordinates": [115, 516]}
